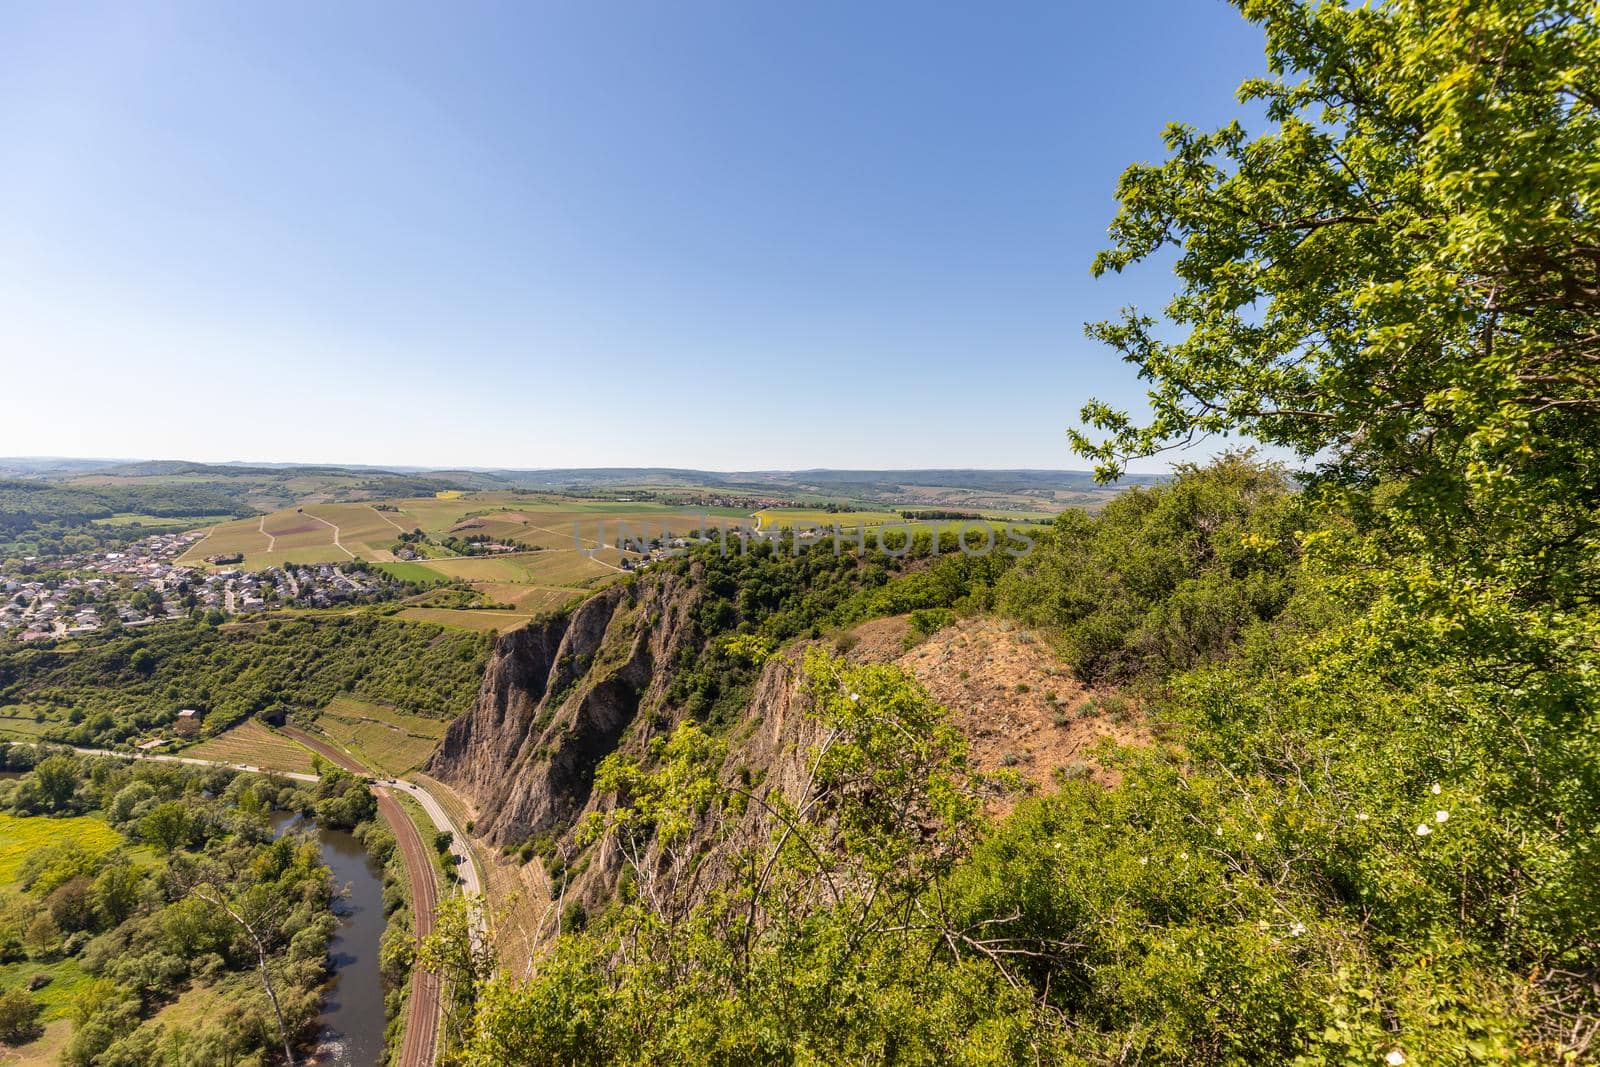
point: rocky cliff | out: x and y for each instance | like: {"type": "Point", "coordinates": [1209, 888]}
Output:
{"type": "Point", "coordinates": [559, 696]}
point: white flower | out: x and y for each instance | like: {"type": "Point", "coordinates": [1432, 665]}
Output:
{"type": "Point", "coordinates": [854, 697]}
{"type": "Point", "coordinates": [1259, 836]}
{"type": "Point", "coordinates": [1143, 860]}
{"type": "Point", "coordinates": [1395, 1058]}
{"type": "Point", "coordinates": [1361, 816]}
{"type": "Point", "coordinates": [1183, 855]}
{"type": "Point", "coordinates": [1423, 830]}
{"type": "Point", "coordinates": [1296, 929]}
{"type": "Point", "coordinates": [1441, 816]}
{"type": "Point", "coordinates": [1436, 791]}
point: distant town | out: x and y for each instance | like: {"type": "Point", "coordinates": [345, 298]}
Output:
{"type": "Point", "coordinates": [142, 584]}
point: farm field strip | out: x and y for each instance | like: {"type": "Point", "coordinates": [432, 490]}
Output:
{"type": "Point", "coordinates": [128, 518]}
{"type": "Point", "coordinates": [22, 726]}
{"type": "Point", "coordinates": [385, 739]}
{"type": "Point", "coordinates": [479, 619]}
{"type": "Point", "coordinates": [336, 543]}
{"type": "Point", "coordinates": [357, 525]}
{"type": "Point", "coordinates": [252, 743]}
{"type": "Point", "coordinates": [21, 836]}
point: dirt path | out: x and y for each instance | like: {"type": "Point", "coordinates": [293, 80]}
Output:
{"type": "Point", "coordinates": [194, 549]}
{"type": "Point", "coordinates": [387, 519]}
{"type": "Point", "coordinates": [261, 524]}
{"type": "Point", "coordinates": [336, 543]}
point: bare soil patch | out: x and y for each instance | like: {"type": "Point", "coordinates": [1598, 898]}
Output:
{"type": "Point", "coordinates": [298, 528]}
{"type": "Point", "coordinates": [1019, 706]}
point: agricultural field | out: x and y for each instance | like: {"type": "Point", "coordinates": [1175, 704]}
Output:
{"type": "Point", "coordinates": [407, 571]}
{"type": "Point", "coordinates": [17, 723]}
{"type": "Point", "coordinates": [482, 620]}
{"type": "Point", "coordinates": [528, 598]}
{"type": "Point", "coordinates": [20, 836]}
{"type": "Point", "coordinates": [568, 547]}
{"type": "Point", "coordinates": [383, 738]}
{"type": "Point", "coordinates": [806, 518]}
{"type": "Point", "coordinates": [550, 568]}
{"type": "Point", "coordinates": [256, 745]}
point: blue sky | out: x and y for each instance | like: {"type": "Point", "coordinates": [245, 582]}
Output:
{"type": "Point", "coordinates": [731, 235]}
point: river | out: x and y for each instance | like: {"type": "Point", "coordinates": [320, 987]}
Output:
{"type": "Point", "coordinates": [352, 1006]}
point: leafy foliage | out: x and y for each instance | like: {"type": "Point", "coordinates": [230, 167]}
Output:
{"type": "Point", "coordinates": [226, 905]}
{"type": "Point", "coordinates": [1367, 835]}
{"type": "Point", "coordinates": [1164, 578]}
{"type": "Point", "coordinates": [815, 946]}
{"type": "Point", "coordinates": [773, 593]}
{"type": "Point", "coordinates": [1403, 266]}
{"type": "Point", "coordinates": [42, 518]}
{"type": "Point", "coordinates": [112, 688]}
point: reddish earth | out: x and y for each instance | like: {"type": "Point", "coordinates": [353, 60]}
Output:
{"type": "Point", "coordinates": [419, 1046]}
{"type": "Point", "coordinates": [298, 528]}
{"type": "Point", "coordinates": [1020, 707]}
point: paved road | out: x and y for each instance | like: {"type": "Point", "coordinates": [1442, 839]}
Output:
{"type": "Point", "coordinates": [470, 884]}
{"type": "Point", "coordinates": [296, 775]}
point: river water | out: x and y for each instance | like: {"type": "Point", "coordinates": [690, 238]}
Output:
{"type": "Point", "coordinates": [352, 1004]}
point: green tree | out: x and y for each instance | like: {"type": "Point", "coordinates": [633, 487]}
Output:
{"type": "Point", "coordinates": [18, 1011]}
{"type": "Point", "coordinates": [1402, 268]}
{"type": "Point", "coordinates": [56, 780]}
{"type": "Point", "coordinates": [167, 826]}
{"type": "Point", "coordinates": [116, 892]}
{"type": "Point", "coordinates": [43, 936]}
{"type": "Point", "coordinates": [463, 959]}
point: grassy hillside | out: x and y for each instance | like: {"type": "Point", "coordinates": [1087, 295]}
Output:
{"type": "Point", "coordinates": [117, 688]}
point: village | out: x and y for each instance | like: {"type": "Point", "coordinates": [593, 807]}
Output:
{"type": "Point", "coordinates": [140, 585]}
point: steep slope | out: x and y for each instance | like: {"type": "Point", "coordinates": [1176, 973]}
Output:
{"type": "Point", "coordinates": [557, 698]}
{"type": "Point", "coordinates": [560, 696]}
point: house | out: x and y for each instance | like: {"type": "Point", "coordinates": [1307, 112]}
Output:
{"type": "Point", "coordinates": [188, 723]}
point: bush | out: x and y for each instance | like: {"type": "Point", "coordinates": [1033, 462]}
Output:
{"type": "Point", "coordinates": [18, 1011]}
{"type": "Point", "coordinates": [1164, 578]}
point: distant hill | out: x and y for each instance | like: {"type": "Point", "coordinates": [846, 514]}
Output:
{"type": "Point", "coordinates": [94, 488]}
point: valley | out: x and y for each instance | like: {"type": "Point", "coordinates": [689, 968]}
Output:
{"type": "Point", "coordinates": [1271, 737]}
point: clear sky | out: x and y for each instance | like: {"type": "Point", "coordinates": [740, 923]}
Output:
{"type": "Point", "coordinates": [732, 235]}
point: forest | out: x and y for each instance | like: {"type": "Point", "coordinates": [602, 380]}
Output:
{"type": "Point", "coordinates": [115, 687]}
{"type": "Point", "coordinates": [149, 886]}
